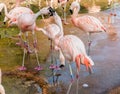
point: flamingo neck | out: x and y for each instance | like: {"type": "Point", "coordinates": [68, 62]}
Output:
{"type": "Point", "coordinates": [74, 19]}
{"type": "Point", "coordinates": [75, 14]}
{"type": "Point", "coordinates": [37, 14]}
{"type": "Point", "coordinates": [59, 23]}
{"type": "Point", "coordinates": [6, 12]}
{"type": "Point", "coordinates": [57, 40]}
{"type": "Point", "coordinates": [5, 9]}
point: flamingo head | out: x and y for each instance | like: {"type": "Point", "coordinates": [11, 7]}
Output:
{"type": "Point", "coordinates": [73, 6]}
{"type": "Point", "coordinates": [12, 22]}
{"type": "Point", "coordinates": [45, 10]}
{"type": "Point", "coordinates": [51, 11]}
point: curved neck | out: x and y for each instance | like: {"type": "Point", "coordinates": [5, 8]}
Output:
{"type": "Point", "coordinates": [37, 14]}
{"type": "Point", "coordinates": [5, 9]}
{"type": "Point", "coordinates": [76, 10]}
{"type": "Point", "coordinates": [6, 12]}
{"type": "Point", "coordinates": [59, 23]}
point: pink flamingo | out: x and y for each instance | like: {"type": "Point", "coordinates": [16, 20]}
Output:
{"type": "Point", "coordinates": [14, 13]}
{"type": "Point", "coordinates": [70, 47]}
{"type": "Point", "coordinates": [2, 90]}
{"type": "Point", "coordinates": [26, 22]}
{"type": "Point", "coordinates": [63, 4]}
{"type": "Point", "coordinates": [87, 23]}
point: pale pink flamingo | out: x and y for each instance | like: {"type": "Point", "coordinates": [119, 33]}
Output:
{"type": "Point", "coordinates": [14, 13]}
{"type": "Point", "coordinates": [63, 4]}
{"type": "Point", "coordinates": [2, 90]}
{"type": "Point", "coordinates": [26, 22]}
{"type": "Point", "coordinates": [87, 23]}
{"type": "Point", "coordinates": [70, 47]}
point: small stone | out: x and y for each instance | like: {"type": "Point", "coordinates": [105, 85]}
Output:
{"type": "Point", "coordinates": [85, 85]}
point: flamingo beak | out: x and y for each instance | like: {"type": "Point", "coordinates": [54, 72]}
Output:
{"type": "Point", "coordinates": [4, 23]}
{"type": "Point", "coordinates": [62, 66]}
{"type": "Point", "coordinates": [0, 13]}
{"type": "Point", "coordinates": [71, 11]}
{"type": "Point", "coordinates": [58, 1]}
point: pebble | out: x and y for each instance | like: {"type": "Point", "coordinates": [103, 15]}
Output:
{"type": "Point", "coordinates": [85, 85]}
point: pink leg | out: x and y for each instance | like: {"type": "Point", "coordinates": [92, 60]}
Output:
{"type": "Point", "coordinates": [38, 68]}
{"type": "Point", "coordinates": [71, 74]}
{"type": "Point", "coordinates": [22, 68]}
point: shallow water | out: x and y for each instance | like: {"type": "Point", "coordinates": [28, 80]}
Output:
{"type": "Point", "coordinates": [104, 52]}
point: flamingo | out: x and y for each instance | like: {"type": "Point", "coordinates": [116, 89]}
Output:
{"type": "Point", "coordinates": [2, 90]}
{"type": "Point", "coordinates": [26, 22]}
{"type": "Point", "coordinates": [70, 48]}
{"type": "Point", "coordinates": [63, 4]}
{"type": "Point", "coordinates": [14, 13]}
{"type": "Point", "coordinates": [87, 23]}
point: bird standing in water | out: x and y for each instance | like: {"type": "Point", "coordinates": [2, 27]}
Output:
{"type": "Point", "coordinates": [88, 24]}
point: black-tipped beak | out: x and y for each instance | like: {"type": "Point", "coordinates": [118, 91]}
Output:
{"type": "Point", "coordinates": [52, 11]}
{"type": "Point", "coordinates": [4, 23]}
{"type": "Point", "coordinates": [51, 14]}
{"type": "Point", "coordinates": [62, 66]}
{"type": "Point", "coordinates": [71, 11]}
{"type": "Point", "coordinates": [0, 13]}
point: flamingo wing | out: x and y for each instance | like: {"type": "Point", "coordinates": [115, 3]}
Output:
{"type": "Point", "coordinates": [90, 23]}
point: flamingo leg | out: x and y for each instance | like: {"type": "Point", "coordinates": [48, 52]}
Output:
{"type": "Point", "coordinates": [36, 52]}
{"type": "Point", "coordinates": [27, 43]}
{"type": "Point", "coordinates": [77, 81]}
{"type": "Point", "coordinates": [71, 74]}
{"type": "Point", "coordinates": [22, 68]}
{"type": "Point", "coordinates": [78, 61]}
{"type": "Point", "coordinates": [89, 43]}
{"type": "Point", "coordinates": [64, 13]}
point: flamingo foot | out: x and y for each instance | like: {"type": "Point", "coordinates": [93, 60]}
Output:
{"type": "Point", "coordinates": [29, 51]}
{"type": "Point", "coordinates": [18, 44]}
{"type": "Point", "coordinates": [66, 23]}
{"type": "Point", "coordinates": [54, 67]}
{"type": "Point", "coordinates": [38, 68]}
{"type": "Point", "coordinates": [22, 68]}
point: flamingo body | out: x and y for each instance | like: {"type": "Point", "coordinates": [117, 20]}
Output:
{"type": "Point", "coordinates": [88, 23]}
{"type": "Point", "coordinates": [14, 13]}
{"type": "Point", "coordinates": [26, 22]}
